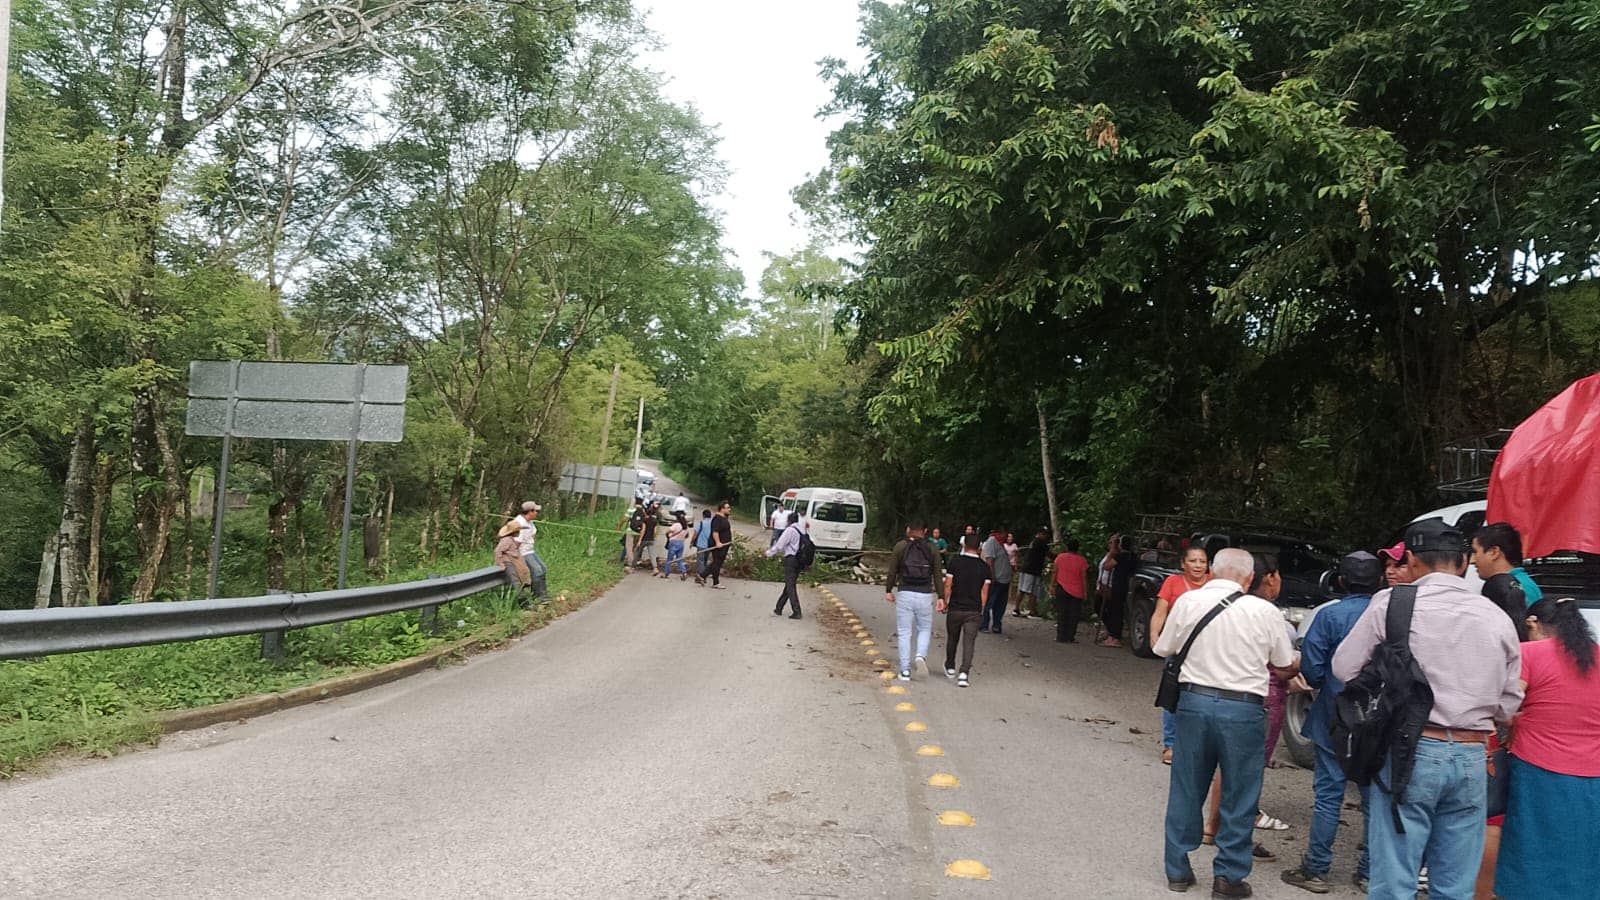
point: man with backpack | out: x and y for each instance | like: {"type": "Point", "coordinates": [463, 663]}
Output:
{"type": "Point", "coordinates": [1360, 573]}
{"type": "Point", "coordinates": [798, 553]}
{"type": "Point", "coordinates": [1222, 642]}
{"type": "Point", "coordinates": [1420, 709]}
{"type": "Point", "coordinates": [915, 570]}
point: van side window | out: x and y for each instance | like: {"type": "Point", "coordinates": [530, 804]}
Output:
{"type": "Point", "coordinates": [848, 513]}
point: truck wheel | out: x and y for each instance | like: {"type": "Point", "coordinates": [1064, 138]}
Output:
{"type": "Point", "coordinates": [1301, 751]}
{"type": "Point", "coordinates": [1137, 621]}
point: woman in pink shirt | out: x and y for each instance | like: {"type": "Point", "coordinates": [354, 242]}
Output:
{"type": "Point", "coordinates": [1552, 829]}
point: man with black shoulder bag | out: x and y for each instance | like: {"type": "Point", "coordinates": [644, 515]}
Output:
{"type": "Point", "coordinates": [1219, 642]}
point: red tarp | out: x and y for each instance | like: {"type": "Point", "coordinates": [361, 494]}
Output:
{"type": "Point", "coordinates": [1546, 480]}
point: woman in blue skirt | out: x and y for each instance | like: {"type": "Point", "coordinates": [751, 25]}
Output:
{"type": "Point", "coordinates": [1552, 825]}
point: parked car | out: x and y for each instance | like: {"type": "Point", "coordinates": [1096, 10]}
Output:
{"type": "Point", "coordinates": [835, 518]}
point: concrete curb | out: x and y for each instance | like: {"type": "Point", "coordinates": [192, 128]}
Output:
{"type": "Point", "coordinates": [353, 682]}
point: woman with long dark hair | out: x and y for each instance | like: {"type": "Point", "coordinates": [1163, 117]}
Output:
{"type": "Point", "coordinates": [1552, 822]}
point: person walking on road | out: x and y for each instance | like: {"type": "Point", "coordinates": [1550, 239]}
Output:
{"type": "Point", "coordinates": [702, 547]}
{"type": "Point", "coordinates": [647, 536]}
{"type": "Point", "coordinates": [721, 540]}
{"type": "Point", "coordinates": [966, 589]}
{"type": "Point", "coordinates": [1552, 824]}
{"type": "Point", "coordinates": [1468, 653]}
{"type": "Point", "coordinates": [680, 504]}
{"type": "Point", "coordinates": [632, 525]}
{"type": "Point", "coordinates": [1029, 574]}
{"type": "Point", "coordinates": [1360, 574]}
{"type": "Point", "coordinates": [788, 545]}
{"type": "Point", "coordinates": [914, 569]}
{"type": "Point", "coordinates": [1071, 584]}
{"type": "Point", "coordinates": [677, 531]}
{"type": "Point", "coordinates": [999, 562]}
{"type": "Point", "coordinates": [1221, 720]}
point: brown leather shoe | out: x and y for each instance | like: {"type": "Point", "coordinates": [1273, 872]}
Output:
{"type": "Point", "coordinates": [1222, 887]}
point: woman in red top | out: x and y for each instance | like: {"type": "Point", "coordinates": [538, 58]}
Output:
{"type": "Point", "coordinates": [1194, 572]}
{"type": "Point", "coordinates": [1553, 817]}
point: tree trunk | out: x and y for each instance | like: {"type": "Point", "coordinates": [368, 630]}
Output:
{"type": "Point", "coordinates": [77, 501]}
{"type": "Point", "coordinates": [1049, 476]}
{"type": "Point", "coordinates": [155, 462]}
{"type": "Point", "coordinates": [47, 571]}
{"type": "Point", "coordinates": [97, 518]}
{"type": "Point", "coordinates": [388, 527]}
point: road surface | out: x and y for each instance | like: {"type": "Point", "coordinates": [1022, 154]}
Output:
{"type": "Point", "coordinates": [665, 741]}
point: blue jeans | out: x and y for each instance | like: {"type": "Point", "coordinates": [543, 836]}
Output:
{"type": "Point", "coordinates": [536, 566]}
{"type": "Point", "coordinates": [1214, 733]}
{"type": "Point", "coordinates": [1328, 783]}
{"type": "Point", "coordinates": [994, 613]}
{"type": "Point", "coordinates": [702, 559]}
{"type": "Point", "coordinates": [674, 553]}
{"type": "Point", "coordinates": [913, 611]}
{"type": "Point", "coordinates": [1169, 729]}
{"type": "Point", "coordinates": [1443, 813]}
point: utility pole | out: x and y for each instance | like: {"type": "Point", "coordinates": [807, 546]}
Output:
{"type": "Point", "coordinates": [638, 434]}
{"type": "Point", "coordinates": [605, 435]}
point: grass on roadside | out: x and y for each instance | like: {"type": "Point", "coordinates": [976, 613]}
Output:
{"type": "Point", "coordinates": [96, 702]}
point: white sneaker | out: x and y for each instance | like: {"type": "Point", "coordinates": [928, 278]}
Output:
{"type": "Point", "coordinates": [905, 674]}
{"type": "Point", "coordinates": [922, 667]}
{"type": "Point", "coordinates": [949, 672]}
{"type": "Point", "coordinates": [961, 680]}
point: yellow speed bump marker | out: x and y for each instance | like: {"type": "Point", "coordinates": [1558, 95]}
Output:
{"type": "Point", "coordinates": [943, 780]}
{"type": "Point", "coordinates": [930, 750]}
{"type": "Point", "coordinates": [967, 868]}
{"type": "Point", "coordinates": [881, 662]}
{"type": "Point", "coordinates": [905, 707]}
{"type": "Point", "coordinates": [955, 817]}
{"type": "Point", "coordinates": [893, 689]}
{"type": "Point", "coordinates": [874, 651]}
{"type": "Point", "coordinates": [869, 642]}
{"type": "Point", "coordinates": [888, 675]}
{"type": "Point", "coordinates": [916, 726]}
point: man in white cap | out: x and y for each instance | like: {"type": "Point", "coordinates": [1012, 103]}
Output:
{"type": "Point", "coordinates": [526, 538]}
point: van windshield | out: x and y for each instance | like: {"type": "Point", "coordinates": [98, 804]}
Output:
{"type": "Point", "coordinates": [849, 513]}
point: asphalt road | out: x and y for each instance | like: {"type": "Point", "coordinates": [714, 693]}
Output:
{"type": "Point", "coordinates": [666, 741]}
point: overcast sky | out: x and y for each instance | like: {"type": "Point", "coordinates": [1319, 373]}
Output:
{"type": "Point", "coordinates": [750, 68]}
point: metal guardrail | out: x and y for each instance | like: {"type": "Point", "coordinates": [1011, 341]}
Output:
{"type": "Point", "coordinates": [42, 632]}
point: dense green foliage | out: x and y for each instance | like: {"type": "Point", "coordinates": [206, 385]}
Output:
{"type": "Point", "coordinates": [1257, 260]}
{"type": "Point", "coordinates": [496, 195]}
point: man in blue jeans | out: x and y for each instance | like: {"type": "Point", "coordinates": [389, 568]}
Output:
{"type": "Point", "coordinates": [1222, 719]}
{"type": "Point", "coordinates": [915, 570]}
{"type": "Point", "coordinates": [1361, 573]}
{"type": "Point", "coordinates": [1467, 650]}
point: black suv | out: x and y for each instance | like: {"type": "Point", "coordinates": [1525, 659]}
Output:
{"type": "Point", "coordinates": [1306, 568]}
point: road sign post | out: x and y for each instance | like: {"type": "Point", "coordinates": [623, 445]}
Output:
{"type": "Point", "coordinates": [349, 402]}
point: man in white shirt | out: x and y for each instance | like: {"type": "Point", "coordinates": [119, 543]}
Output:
{"type": "Point", "coordinates": [777, 521]}
{"type": "Point", "coordinates": [1222, 719]}
{"type": "Point", "coordinates": [526, 538]}
{"type": "Point", "coordinates": [680, 505]}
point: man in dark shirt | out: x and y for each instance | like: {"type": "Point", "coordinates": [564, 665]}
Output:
{"type": "Point", "coordinates": [721, 540]}
{"type": "Point", "coordinates": [1028, 578]}
{"type": "Point", "coordinates": [966, 589]}
{"type": "Point", "coordinates": [1123, 566]}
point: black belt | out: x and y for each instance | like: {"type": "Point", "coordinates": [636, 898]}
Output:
{"type": "Point", "coordinates": [1221, 694]}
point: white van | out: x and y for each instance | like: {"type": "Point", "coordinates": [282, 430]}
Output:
{"type": "Point", "coordinates": [835, 518]}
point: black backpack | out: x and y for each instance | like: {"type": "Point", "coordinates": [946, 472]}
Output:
{"type": "Point", "coordinates": [807, 554]}
{"type": "Point", "coordinates": [917, 568]}
{"type": "Point", "coordinates": [1381, 713]}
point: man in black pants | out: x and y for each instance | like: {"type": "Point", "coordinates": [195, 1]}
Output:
{"type": "Point", "coordinates": [966, 589]}
{"type": "Point", "coordinates": [788, 544]}
{"type": "Point", "coordinates": [721, 540]}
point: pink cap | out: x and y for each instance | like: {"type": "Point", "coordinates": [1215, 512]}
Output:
{"type": "Point", "coordinates": [1396, 553]}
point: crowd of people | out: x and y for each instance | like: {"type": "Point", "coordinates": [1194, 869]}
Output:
{"type": "Point", "coordinates": [1490, 787]}
{"type": "Point", "coordinates": [1490, 783]}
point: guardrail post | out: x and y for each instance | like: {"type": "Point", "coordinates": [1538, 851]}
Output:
{"type": "Point", "coordinates": [428, 616]}
{"type": "Point", "coordinates": [272, 641]}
